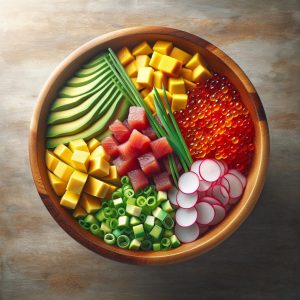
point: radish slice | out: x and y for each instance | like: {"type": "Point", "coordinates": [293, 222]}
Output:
{"type": "Point", "coordinates": [221, 165]}
{"type": "Point", "coordinates": [206, 213]}
{"type": "Point", "coordinates": [204, 185]}
{"type": "Point", "coordinates": [210, 200]}
{"type": "Point", "coordinates": [209, 170]}
{"type": "Point", "coordinates": [195, 166]}
{"type": "Point", "coordinates": [186, 216]}
{"type": "Point", "coordinates": [172, 195]}
{"type": "Point", "coordinates": [239, 175]}
{"type": "Point", "coordinates": [225, 183]}
{"type": "Point", "coordinates": [186, 200]}
{"type": "Point", "coordinates": [220, 193]}
{"type": "Point", "coordinates": [203, 229]}
{"type": "Point", "coordinates": [236, 187]}
{"type": "Point", "coordinates": [227, 207]}
{"type": "Point", "coordinates": [219, 214]}
{"type": "Point", "coordinates": [234, 200]}
{"type": "Point", "coordinates": [187, 234]}
{"type": "Point", "coordinates": [188, 182]}
{"type": "Point", "coordinates": [225, 166]}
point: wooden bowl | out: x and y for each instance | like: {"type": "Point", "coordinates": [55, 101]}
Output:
{"type": "Point", "coordinates": [219, 62]}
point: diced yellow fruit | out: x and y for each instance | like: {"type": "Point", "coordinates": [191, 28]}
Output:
{"type": "Point", "coordinates": [145, 92]}
{"type": "Point", "coordinates": [163, 47]}
{"type": "Point", "coordinates": [64, 153]}
{"type": "Point", "coordinates": [63, 171]}
{"type": "Point", "coordinates": [79, 211]}
{"type": "Point", "coordinates": [200, 73]}
{"type": "Point", "coordinates": [93, 144]}
{"type": "Point", "coordinates": [145, 76]}
{"type": "Point", "coordinates": [195, 61]}
{"type": "Point", "coordinates": [90, 203]}
{"type": "Point", "coordinates": [51, 160]}
{"type": "Point", "coordinates": [57, 184]}
{"type": "Point", "coordinates": [99, 167]}
{"type": "Point", "coordinates": [80, 160]}
{"type": "Point", "coordinates": [76, 182]}
{"type": "Point", "coordinates": [150, 103]}
{"type": "Point", "coordinates": [160, 79]}
{"type": "Point", "coordinates": [79, 144]}
{"type": "Point", "coordinates": [142, 49]}
{"type": "Point", "coordinates": [96, 187]}
{"type": "Point", "coordinates": [131, 69]}
{"type": "Point", "coordinates": [180, 55]}
{"type": "Point", "coordinates": [161, 94]}
{"type": "Point", "coordinates": [124, 56]}
{"type": "Point", "coordinates": [179, 101]}
{"type": "Point", "coordinates": [111, 189]}
{"type": "Point", "coordinates": [176, 86]}
{"type": "Point", "coordinates": [113, 176]}
{"type": "Point", "coordinates": [137, 85]}
{"type": "Point", "coordinates": [69, 200]}
{"type": "Point", "coordinates": [142, 61]}
{"type": "Point", "coordinates": [169, 65]}
{"type": "Point", "coordinates": [189, 85]}
{"type": "Point", "coordinates": [155, 60]}
{"type": "Point", "coordinates": [99, 151]}
{"type": "Point", "coordinates": [186, 74]}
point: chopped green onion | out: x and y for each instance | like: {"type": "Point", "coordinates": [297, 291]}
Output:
{"type": "Point", "coordinates": [90, 219]}
{"type": "Point", "coordinates": [104, 227]}
{"type": "Point", "coordinates": [104, 204]}
{"type": "Point", "coordinates": [83, 224]}
{"type": "Point", "coordinates": [156, 247]}
{"type": "Point", "coordinates": [146, 245]}
{"type": "Point", "coordinates": [166, 206]}
{"type": "Point", "coordinates": [148, 190]}
{"type": "Point", "coordinates": [159, 213]}
{"type": "Point", "coordinates": [123, 221]}
{"type": "Point", "coordinates": [142, 217]}
{"type": "Point", "coordinates": [138, 231]}
{"type": "Point", "coordinates": [168, 222]}
{"type": "Point", "coordinates": [118, 203]}
{"type": "Point", "coordinates": [135, 221]}
{"type": "Point", "coordinates": [151, 202]}
{"type": "Point", "coordinates": [156, 232]}
{"type": "Point", "coordinates": [131, 201]}
{"type": "Point", "coordinates": [121, 211]}
{"type": "Point", "coordinates": [134, 244]}
{"type": "Point", "coordinates": [117, 232]}
{"type": "Point", "coordinates": [161, 196]}
{"type": "Point", "coordinates": [100, 215]}
{"type": "Point", "coordinates": [165, 243]}
{"type": "Point", "coordinates": [125, 179]}
{"type": "Point", "coordinates": [123, 241]}
{"type": "Point", "coordinates": [133, 210]}
{"type": "Point", "coordinates": [149, 223]}
{"type": "Point", "coordinates": [113, 223]}
{"type": "Point", "coordinates": [129, 193]}
{"type": "Point", "coordinates": [168, 233]}
{"type": "Point", "coordinates": [109, 238]}
{"type": "Point", "coordinates": [116, 194]}
{"type": "Point", "coordinates": [174, 241]}
{"type": "Point", "coordinates": [141, 201]}
{"type": "Point", "coordinates": [96, 230]}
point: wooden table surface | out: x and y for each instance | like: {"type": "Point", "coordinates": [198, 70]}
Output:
{"type": "Point", "coordinates": [38, 260]}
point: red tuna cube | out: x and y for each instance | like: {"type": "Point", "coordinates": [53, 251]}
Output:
{"type": "Point", "coordinates": [110, 146]}
{"type": "Point", "coordinates": [166, 166]}
{"type": "Point", "coordinates": [161, 147]}
{"type": "Point", "coordinates": [124, 166]}
{"type": "Point", "coordinates": [127, 151]}
{"type": "Point", "coordinates": [148, 163]}
{"type": "Point", "coordinates": [150, 133]}
{"type": "Point", "coordinates": [120, 131]}
{"type": "Point", "coordinates": [138, 179]}
{"type": "Point", "coordinates": [139, 141]}
{"type": "Point", "coordinates": [137, 118]}
{"type": "Point", "coordinates": [162, 181]}
{"type": "Point", "coordinates": [125, 122]}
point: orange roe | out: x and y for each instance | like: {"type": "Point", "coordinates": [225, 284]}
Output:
{"type": "Point", "coordinates": [216, 124]}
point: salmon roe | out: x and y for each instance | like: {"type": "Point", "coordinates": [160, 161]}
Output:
{"type": "Point", "coordinates": [216, 124]}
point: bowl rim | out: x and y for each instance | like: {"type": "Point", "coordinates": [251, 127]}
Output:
{"type": "Point", "coordinates": [161, 257]}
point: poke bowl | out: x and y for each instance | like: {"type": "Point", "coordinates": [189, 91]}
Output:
{"type": "Point", "coordinates": [149, 145]}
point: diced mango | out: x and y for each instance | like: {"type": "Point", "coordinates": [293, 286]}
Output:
{"type": "Point", "coordinates": [195, 61]}
{"type": "Point", "coordinates": [69, 200]}
{"type": "Point", "coordinates": [90, 203]}
{"type": "Point", "coordinates": [111, 189]}
{"type": "Point", "coordinates": [186, 74]}
{"type": "Point", "coordinates": [137, 85]}
{"type": "Point", "coordinates": [51, 160]}
{"type": "Point", "coordinates": [169, 65]}
{"type": "Point", "coordinates": [125, 56]}
{"type": "Point", "coordinates": [79, 211]}
{"type": "Point", "coordinates": [99, 151]}
{"type": "Point", "coordinates": [80, 160]}
{"type": "Point", "coordinates": [161, 94]}
{"type": "Point", "coordinates": [131, 69]}
{"type": "Point", "coordinates": [176, 86]}
{"type": "Point", "coordinates": [64, 153]}
{"type": "Point", "coordinates": [179, 101]}
{"type": "Point", "coordinates": [189, 85]}
{"type": "Point", "coordinates": [150, 103]}
{"type": "Point", "coordinates": [160, 79]}
{"type": "Point", "coordinates": [63, 171]}
{"type": "Point", "coordinates": [93, 144]}
{"type": "Point", "coordinates": [163, 47]}
{"type": "Point", "coordinates": [99, 167]}
{"type": "Point", "coordinates": [200, 73]}
{"type": "Point", "coordinates": [142, 61]}
{"type": "Point", "coordinates": [145, 76]}
{"type": "Point", "coordinates": [96, 187]}
{"type": "Point", "coordinates": [76, 182]}
{"type": "Point", "coordinates": [145, 92]}
{"type": "Point", "coordinates": [57, 184]}
{"type": "Point", "coordinates": [79, 144]}
{"type": "Point", "coordinates": [142, 49]}
{"type": "Point", "coordinates": [180, 55]}
{"type": "Point", "coordinates": [113, 176]}
{"type": "Point", "coordinates": [155, 60]}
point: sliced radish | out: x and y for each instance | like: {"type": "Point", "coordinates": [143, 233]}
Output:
{"type": "Point", "coordinates": [239, 175]}
{"type": "Point", "coordinates": [225, 183]}
{"type": "Point", "coordinates": [186, 200]}
{"type": "Point", "coordinates": [220, 213]}
{"type": "Point", "coordinates": [210, 200]}
{"type": "Point", "coordinates": [172, 195]}
{"type": "Point", "coordinates": [206, 213]}
{"type": "Point", "coordinates": [236, 187]}
{"type": "Point", "coordinates": [187, 234]}
{"type": "Point", "coordinates": [188, 182]}
{"type": "Point", "coordinates": [227, 207]}
{"type": "Point", "coordinates": [210, 170]}
{"type": "Point", "coordinates": [204, 185]}
{"type": "Point", "coordinates": [220, 193]}
{"type": "Point", "coordinates": [221, 165]}
{"type": "Point", "coordinates": [203, 229]}
{"type": "Point", "coordinates": [195, 166]}
{"type": "Point", "coordinates": [234, 200]}
{"type": "Point", "coordinates": [223, 162]}
{"type": "Point", "coordinates": [186, 216]}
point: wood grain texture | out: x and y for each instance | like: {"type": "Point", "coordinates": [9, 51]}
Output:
{"type": "Point", "coordinates": [38, 260]}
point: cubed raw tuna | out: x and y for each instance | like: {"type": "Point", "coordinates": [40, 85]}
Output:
{"type": "Point", "coordinates": [161, 147]}
{"type": "Point", "coordinates": [162, 181]}
{"type": "Point", "coordinates": [125, 122]}
{"type": "Point", "coordinates": [110, 146]}
{"type": "Point", "coordinates": [127, 151]}
{"type": "Point", "coordinates": [148, 163]}
{"type": "Point", "coordinates": [138, 179]}
{"type": "Point", "coordinates": [124, 166]}
{"type": "Point", "coordinates": [120, 131]}
{"type": "Point", "coordinates": [150, 133]}
{"type": "Point", "coordinates": [137, 118]}
{"type": "Point", "coordinates": [166, 166]}
{"type": "Point", "coordinates": [139, 141]}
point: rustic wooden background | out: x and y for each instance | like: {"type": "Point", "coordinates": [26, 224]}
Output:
{"type": "Point", "coordinates": [38, 260]}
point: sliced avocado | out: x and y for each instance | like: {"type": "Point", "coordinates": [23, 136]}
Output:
{"type": "Point", "coordinates": [76, 112]}
{"type": "Point", "coordinates": [80, 124]}
{"type": "Point", "coordinates": [95, 61]}
{"type": "Point", "coordinates": [92, 70]}
{"type": "Point", "coordinates": [98, 127]}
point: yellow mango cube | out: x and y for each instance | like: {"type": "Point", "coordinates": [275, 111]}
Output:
{"type": "Point", "coordinates": [186, 74]}
{"type": "Point", "coordinates": [63, 171]}
{"type": "Point", "coordinates": [145, 76]}
{"type": "Point", "coordinates": [142, 61]}
{"type": "Point", "coordinates": [93, 144]}
{"type": "Point", "coordinates": [79, 211]}
{"type": "Point", "coordinates": [176, 86]}
{"type": "Point", "coordinates": [131, 69]}
{"type": "Point", "coordinates": [79, 144]}
{"type": "Point", "coordinates": [150, 103]}
{"type": "Point", "coordinates": [99, 167]}
{"type": "Point", "coordinates": [64, 153]}
{"type": "Point", "coordinates": [90, 203]}
{"type": "Point", "coordinates": [161, 94]}
{"type": "Point", "coordinates": [155, 60]}
{"type": "Point", "coordinates": [160, 79]}
{"type": "Point", "coordinates": [57, 184]}
{"type": "Point", "coordinates": [69, 200]}
{"type": "Point", "coordinates": [180, 55]}
{"type": "Point", "coordinates": [96, 187]}
{"type": "Point", "coordinates": [51, 160]}
{"type": "Point", "coordinates": [163, 47]}
{"type": "Point", "coordinates": [179, 101]}
{"type": "Point", "coordinates": [80, 160]}
{"type": "Point", "coordinates": [76, 182]}
{"type": "Point", "coordinates": [200, 73]}
{"type": "Point", "coordinates": [195, 61]}
{"type": "Point", "coordinates": [169, 65]}
{"type": "Point", "coordinates": [145, 92]}
{"type": "Point", "coordinates": [125, 56]}
{"type": "Point", "coordinates": [189, 85]}
{"type": "Point", "coordinates": [99, 151]}
{"type": "Point", "coordinates": [136, 84]}
{"type": "Point", "coordinates": [113, 176]}
{"type": "Point", "coordinates": [142, 49]}
{"type": "Point", "coordinates": [111, 189]}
